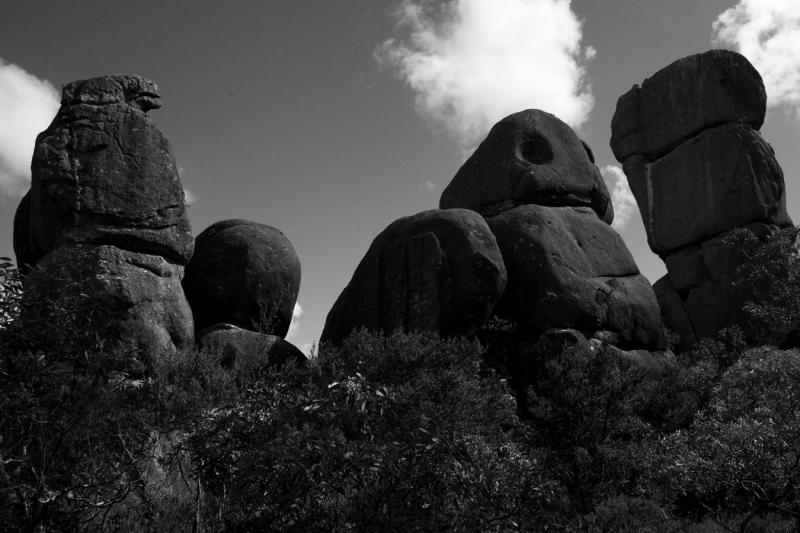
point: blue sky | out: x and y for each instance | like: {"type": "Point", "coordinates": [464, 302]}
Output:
{"type": "Point", "coordinates": [329, 120]}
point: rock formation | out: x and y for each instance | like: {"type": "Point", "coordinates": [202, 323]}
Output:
{"type": "Point", "coordinates": [530, 157]}
{"type": "Point", "coordinates": [569, 269]}
{"type": "Point", "coordinates": [689, 143]}
{"type": "Point", "coordinates": [248, 351]}
{"type": "Point", "coordinates": [243, 273]}
{"type": "Point", "coordinates": [550, 211]}
{"type": "Point", "coordinates": [438, 270]}
{"type": "Point", "coordinates": [103, 173]}
{"type": "Point", "coordinates": [544, 257]}
{"type": "Point", "coordinates": [104, 224]}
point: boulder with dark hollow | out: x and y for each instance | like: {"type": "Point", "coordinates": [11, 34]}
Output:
{"type": "Point", "coordinates": [248, 351]}
{"type": "Point", "coordinates": [103, 173]}
{"type": "Point", "coordinates": [568, 269]}
{"type": "Point", "coordinates": [243, 273]}
{"type": "Point", "coordinates": [724, 178]}
{"type": "Point", "coordinates": [682, 99]}
{"type": "Point", "coordinates": [530, 157]}
{"type": "Point", "coordinates": [439, 270]}
{"type": "Point", "coordinates": [132, 303]}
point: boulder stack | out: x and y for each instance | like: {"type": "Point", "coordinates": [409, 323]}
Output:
{"type": "Point", "coordinates": [523, 233]}
{"type": "Point", "coordinates": [689, 143]}
{"type": "Point", "coordinates": [548, 207]}
{"type": "Point", "coordinates": [104, 226]}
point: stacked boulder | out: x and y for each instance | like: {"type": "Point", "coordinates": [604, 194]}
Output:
{"type": "Point", "coordinates": [689, 143]}
{"type": "Point", "coordinates": [103, 231]}
{"type": "Point", "coordinates": [523, 232]}
{"type": "Point", "coordinates": [546, 203]}
{"type": "Point", "coordinates": [242, 284]}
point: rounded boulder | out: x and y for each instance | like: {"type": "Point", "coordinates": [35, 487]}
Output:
{"type": "Point", "coordinates": [243, 273]}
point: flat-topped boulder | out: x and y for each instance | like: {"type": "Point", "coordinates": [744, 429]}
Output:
{"type": "Point", "coordinates": [438, 270]}
{"type": "Point", "coordinates": [243, 273]}
{"type": "Point", "coordinates": [104, 174]}
{"type": "Point", "coordinates": [682, 99]}
{"type": "Point", "coordinates": [530, 157]}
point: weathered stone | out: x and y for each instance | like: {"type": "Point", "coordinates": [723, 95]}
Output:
{"type": "Point", "coordinates": [25, 258]}
{"type": "Point", "coordinates": [102, 173]}
{"type": "Point", "coordinates": [722, 179]}
{"type": "Point", "coordinates": [673, 313]}
{"type": "Point", "coordinates": [530, 157]}
{"type": "Point", "coordinates": [439, 270]}
{"type": "Point", "coordinates": [684, 98]}
{"type": "Point", "coordinates": [247, 351]}
{"type": "Point", "coordinates": [686, 268]}
{"type": "Point", "coordinates": [243, 273]}
{"type": "Point", "coordinates": [713, 306]}
{"type": "Point", "coordinates": [131, 302]}
{"type": "Point", "coordinates": [568, 269]}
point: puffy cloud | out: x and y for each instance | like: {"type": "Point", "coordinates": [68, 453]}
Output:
{"type": "Point", "coordinates": [27, 106]}
{"type": "Point", "coordinates": [767, 32]}
{"type": "Point", "coordinates": [621, 196]}
{"type": "Point", "coordinates": [294, 326]}
{"type": "Point", "coordinates": [472, 62]}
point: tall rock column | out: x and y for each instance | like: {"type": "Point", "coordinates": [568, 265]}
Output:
{"type": "Point", "coordinates": [104, 226]}
{"type": "Point", "coordinates": [689, 143]}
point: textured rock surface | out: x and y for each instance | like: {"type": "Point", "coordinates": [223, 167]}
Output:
{"type": "Point", "coordinates": [103, 173]}
{"type": "Point", "coordinates": [437, 270]}
{"type": "Point", "coordinates": [246, 350]}
{"type": "Point", "coordinates": [243, 273]}
{"type": "Point", "coordinates": [682, 99]}
{"type": "Point", "coordinates": [530, 157]}
{"type": "Point", "coordinates": [568, 269]}
{"type": "Point", "coordinates": [699, 170]}
{"type": "Point", "coordinates": [724, 178]}
{"type": "Point", "coordinates": [133, 302]}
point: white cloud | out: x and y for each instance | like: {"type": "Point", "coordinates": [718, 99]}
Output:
{"type": "Point", "coordinates": [767, 32]}
{"type": "Point", "coordinates": [621, 196]}
{"type": "Point", "coordinates": [294, 326]}
{"type": "Point", "coordinates": [472, 62]}
{"type": "Point", "coordinates": [27, 106]}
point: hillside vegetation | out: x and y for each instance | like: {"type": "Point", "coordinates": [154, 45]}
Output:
{"type": "Point", "coordinates": [409, 432]}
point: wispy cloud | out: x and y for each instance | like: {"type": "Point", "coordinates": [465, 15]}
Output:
{"type": "Point", "coordinates": [27, 106]}
{"type": "Point", "coordinates": [767, 32]}
{"type": "Point", "coordinates": [621, 196]}
{"type": "Point", "coordinates": [472, 62]}
{"type": "Point", "coordinates": [294, 326]}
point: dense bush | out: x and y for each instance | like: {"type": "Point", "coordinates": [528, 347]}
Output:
{"type": "Point", "coordinates": [408, 432]}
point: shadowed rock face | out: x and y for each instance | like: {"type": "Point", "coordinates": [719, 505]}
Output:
{"type": "Point", "coordinates": [134, 302]}
{"type": "Point", "coordinates": [102, 173]}
{"type": "Point", "coordinates": [689, 145]}
{"type": "Point", "coordinates": [530, 157]}
{"type": "Point", "coordinates": [568, 269]}
{"type": "Point", "coordinates": [723, 178]}
{"type": "Point", "coordinates": [437, 271]}
{"type": "Point", "coordinates": [684, 98]}
{"type": "Point", "coordinates": [243, 273]}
